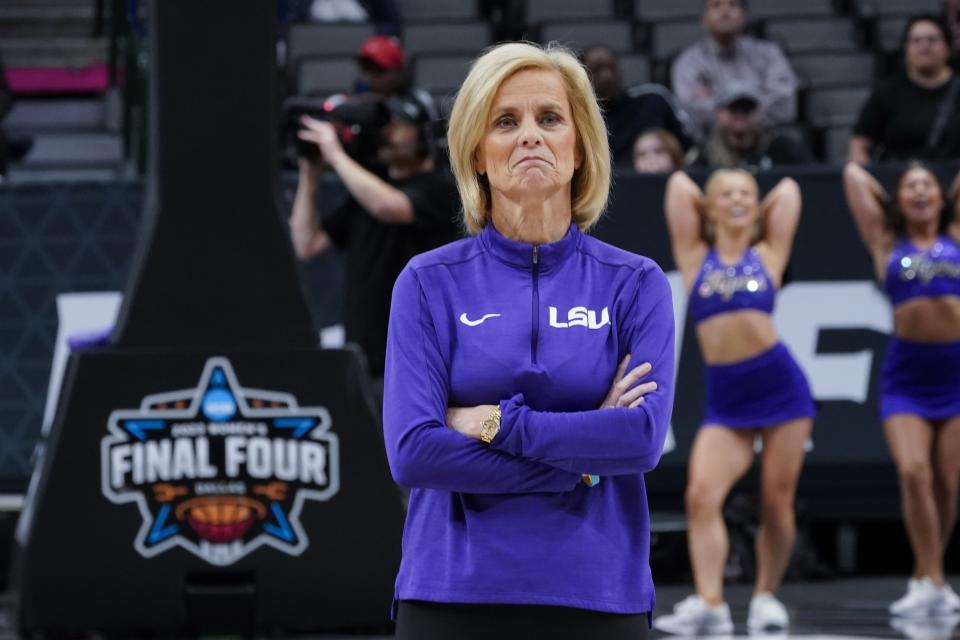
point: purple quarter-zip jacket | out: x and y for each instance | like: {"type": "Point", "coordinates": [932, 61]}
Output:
{"type": "Point", "coordinates": [539, 330]}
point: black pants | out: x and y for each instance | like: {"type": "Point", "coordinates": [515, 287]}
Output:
{"type": "Point", "coordinates": [417, 620]}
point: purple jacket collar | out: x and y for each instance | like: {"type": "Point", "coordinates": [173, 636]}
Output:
{"type": "Point", "coordinates": [520, 254]}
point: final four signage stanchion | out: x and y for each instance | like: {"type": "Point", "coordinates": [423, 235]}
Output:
{"type": "Point", "coordinates": [211, 469]}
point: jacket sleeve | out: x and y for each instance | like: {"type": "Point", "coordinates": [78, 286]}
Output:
{"type": "Point", "coordinates": [422, 451]}
{"type": "Point", "coordinates": [613, 441]}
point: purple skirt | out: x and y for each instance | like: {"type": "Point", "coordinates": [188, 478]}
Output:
{"type": "Point", "coordinates": [920, 378]}
{"type": "Point", "coordinates": [762, 391]}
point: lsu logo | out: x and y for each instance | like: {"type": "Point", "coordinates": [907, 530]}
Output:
{"type": "Point", "coordinates": [219, 470]}
{"type": "Point", "coordinates": [580, 317]}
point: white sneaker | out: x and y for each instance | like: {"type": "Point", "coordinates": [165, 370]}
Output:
{"type": "Point", "coordinates": [939, 628]}
{"type": "Point", "coordinates": [923, 598]}
{"type": "Point", "coordinates": [694, 616]}
{"type": "Point", "coordinates": [767, 613]}
{"type": "Point", "coordinates": [951, 600]}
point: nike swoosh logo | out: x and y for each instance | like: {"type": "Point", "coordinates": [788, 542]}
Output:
{"type": "Point", "coordinates": [472, 323]}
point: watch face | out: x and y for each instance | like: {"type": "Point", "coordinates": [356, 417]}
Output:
{"type": "Point", "coordinates": [488, 430]}
{"type": "Point", "coordinates": [490, 426]}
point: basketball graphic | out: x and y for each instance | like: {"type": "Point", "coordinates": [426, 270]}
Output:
{"type": "Point", "coordinates": [219, 469]}
{"type": "Point", "coordinates": [221, 518]}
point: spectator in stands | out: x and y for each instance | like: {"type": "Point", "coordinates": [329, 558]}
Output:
{"type": "Point", "coordinates": [381, 61]}
{"type": "Point", "coordinates": [951, 10]}
{"type": "Point", "coordinates": [633, 110]}
{"type": "Point", "coordinates": [740, 139]}
{"type": "Point", "coordinates": [383, 222]}
{"type": "Point", "coordinates": [657, 151]}
{"type": "Point", "coordinates": [337, 11]}
{"type": "Point", "coordinates": [384, 14]}
{"type": "Point", "coordinates": [701, 71]}
{"type": "Point", "coordinates": [914, 113]}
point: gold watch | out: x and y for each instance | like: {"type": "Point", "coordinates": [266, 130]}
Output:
{"type": "Point", "coordinates": [490, 426]}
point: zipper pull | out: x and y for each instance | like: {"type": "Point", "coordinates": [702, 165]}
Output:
{"type": "Point", "coordinates": [536, 254]}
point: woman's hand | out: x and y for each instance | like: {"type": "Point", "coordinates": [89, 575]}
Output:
{"type": "Point", "coordinates": [621, 394]}
{"type": "Point", "coordinates": [466, 420]}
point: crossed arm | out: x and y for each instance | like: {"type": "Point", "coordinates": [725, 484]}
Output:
{"type": "Point", "coordinates": [432, 446]}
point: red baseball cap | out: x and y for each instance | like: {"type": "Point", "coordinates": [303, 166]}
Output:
{"type": "Point", "coordinates": [383, 51]}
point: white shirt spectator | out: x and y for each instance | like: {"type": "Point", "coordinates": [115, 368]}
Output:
{"type": "Point", "coordinates": [703, 69]}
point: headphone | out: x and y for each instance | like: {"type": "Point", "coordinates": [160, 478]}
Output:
{"type": "Point", "coordinates": [419, 108]}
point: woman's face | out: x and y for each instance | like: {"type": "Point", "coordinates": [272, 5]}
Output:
{"type": "Point", "coordinates": [733, 203]}
{"type": "Point", "coordinates": [530, 146]}
{"type": "Point", "coordinates": [919, 196]}
{"type": "Point", "coordinates": [650, 155]}
{"type": "Point", "coordinates": [926, 50]}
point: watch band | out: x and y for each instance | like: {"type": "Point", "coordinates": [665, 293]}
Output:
{"type": "Point", "coordinates": [490, 426]}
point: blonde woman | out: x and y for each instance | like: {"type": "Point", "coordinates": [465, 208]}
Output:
{"type": "Point", "coordinates": [732, 250]}
{"type": "Point", "coordinates": [529, 378]}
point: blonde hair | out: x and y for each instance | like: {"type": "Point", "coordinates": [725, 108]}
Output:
{"type": "Point", "coordinates": [707, 231]}
{"type": "Point", "coordinates": [469, 121]}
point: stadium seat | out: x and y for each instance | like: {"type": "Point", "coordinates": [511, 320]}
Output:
{"type": "Point", "coordinates": [441, 74]}
{"type": "Point", "coordinates": [325, 75]}
{"type": "Point", "coordinates": [819, 70]}
{"type": "Point", "coordinates": [835, 141]}
{"type": "Point", "coordinates": [440, 37]}
{"type": "Point", "coordinates": [764, 9]}
{"type": "Point", "coordinates": [329, 39]}
{"type": "Point", "coordinates": [670, 38]}
{"type": "Point", "coordinates": [870, 8]}
{"type": "Point", "coordinates": [837, 106]}
{"type": "Point", "coordinates": [659, 10]}
{"type": "Point", "coordinates": [634, 68]}
{"type": "Point", "coordinates": [413, 10]}
{"type": "Point", "coordinates": [615, 34]}
{"type": "Point", "coordinates": [809, 35]}
{"type": "Point", "coordinates": [889, 33]}
{"type": "Point", "coordinates": [543, 10]}
{"type": "Point", "coordinates": [796, 132]}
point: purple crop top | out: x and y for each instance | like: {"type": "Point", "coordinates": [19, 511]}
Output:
{"type": "Point", "coordinates": [722, 289]}
{"type": "Point", "coordinates": [913, 272]}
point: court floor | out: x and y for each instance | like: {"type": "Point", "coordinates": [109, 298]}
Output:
{"type": "Point", "coordinates": [831, 610]}
{"type": "Point", "coordinates": [845, 609]}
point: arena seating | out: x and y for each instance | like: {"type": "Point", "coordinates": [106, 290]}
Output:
{"type": "Point", "coordinates": [838, 48]}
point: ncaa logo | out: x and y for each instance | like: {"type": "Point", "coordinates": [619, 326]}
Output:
{"type": "Point", "coordinates": [219, 470]}
{"type": "Point", "coordinates": [218, 405]}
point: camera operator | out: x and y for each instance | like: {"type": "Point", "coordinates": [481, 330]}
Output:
{"type": "Point", "coordinates": [385, 220]}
